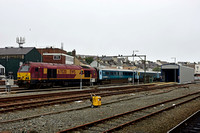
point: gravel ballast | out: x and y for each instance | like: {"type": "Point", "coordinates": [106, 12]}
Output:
{"type": "Point", "coordinates": [55, 122]}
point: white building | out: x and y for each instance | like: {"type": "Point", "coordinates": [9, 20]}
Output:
{"type": "Point", "coordinates": [2, 72]}
{"type": "Point", "coordinates": [197, 69]}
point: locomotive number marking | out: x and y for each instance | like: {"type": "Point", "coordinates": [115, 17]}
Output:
{"type": "Point", "coordinates": [62, 71]}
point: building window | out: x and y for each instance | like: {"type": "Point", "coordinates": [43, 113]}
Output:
{"type": "Point", "coordinates": [1, 71]}
{"type": "Point", "coordinates": [56, 57]}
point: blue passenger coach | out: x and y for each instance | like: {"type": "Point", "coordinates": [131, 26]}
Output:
{"type": "Point", "coordinates": [155, 76]}
{"type": "Point", "coordinates": [124, 75]}
{"type": "Point", "coordinates": [111, 74]}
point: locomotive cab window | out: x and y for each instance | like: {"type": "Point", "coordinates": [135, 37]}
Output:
{"type": "Point", "coordinates": [87, 73]}
{"type": "Point", "coordinates": [24, 69]}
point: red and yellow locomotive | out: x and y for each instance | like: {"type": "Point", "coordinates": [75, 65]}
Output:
{"type": "Point", "coordinates": [35, 74]}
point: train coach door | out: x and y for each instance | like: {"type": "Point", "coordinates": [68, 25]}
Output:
{"type": "Point", "coordinates": [36, 72]}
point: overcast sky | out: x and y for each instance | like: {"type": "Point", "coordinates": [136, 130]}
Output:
{"type": "Point", "coordinates": [160, 29]}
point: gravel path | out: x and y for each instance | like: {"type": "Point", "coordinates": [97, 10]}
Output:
{"type": "Point", "coordinates": [61, 121]}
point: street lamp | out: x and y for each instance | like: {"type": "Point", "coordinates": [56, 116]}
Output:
{"type": "Point", "coordinates": [133, 63]}
{"type": "Point", "coordinates": [174, 69]}
{"type": "Point", "coordinates": [174, 59]}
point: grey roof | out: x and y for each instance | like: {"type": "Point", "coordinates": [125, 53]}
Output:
{"type": "Point", "coordinates": [106, 58]}
{"type": "Point", "coordinates": [15, 51]}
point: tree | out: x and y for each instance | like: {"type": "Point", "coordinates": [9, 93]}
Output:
{"type": "Point", "coordinates": [69, 53]}
{"type": "Point", "coordinates": [157, 69]}
{"type": "Point", "coordinates": [89, 60]}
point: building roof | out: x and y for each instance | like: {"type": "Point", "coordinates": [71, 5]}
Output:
{"type": "Point", "coordinates": [15, 51]}
{"type": "Point", "coordinates": [1, 66]}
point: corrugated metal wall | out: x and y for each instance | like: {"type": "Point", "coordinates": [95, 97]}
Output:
{"type": "Point", "coordinates": [186, 74]}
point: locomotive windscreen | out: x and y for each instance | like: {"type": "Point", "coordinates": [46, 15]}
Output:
{"type": "Point", "coordinates": [24, 69]}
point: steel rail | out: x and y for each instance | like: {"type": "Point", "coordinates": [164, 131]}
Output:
{"type": "Point", "coordinates": [191, 124]}
{"type": "Point", "coordinates": [67, 110]}
{"type": "Point", "coordinates": [129, 112]}
{"type": "Point", "coordinates": [147, 116]}
{"type": "Point", "coordinates": [45, 102]}
{"type": "Point", "coordinates": [7, 99]}
{"type": "Point", "coordinates": [38, 103]}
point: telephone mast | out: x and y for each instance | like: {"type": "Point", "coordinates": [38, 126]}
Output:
{"type": "Point", "coordinates": [20, 41]}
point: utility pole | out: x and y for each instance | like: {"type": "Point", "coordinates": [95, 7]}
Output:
{"type": "Point", "coordinates": [134, 55]}
{"type": "Point", "coordinates": [81, 80]}
{"type": "Point", "coordinates": [144, 65]}
{"type": "Point", "coordinates": [134, 64]}
{"type": "Point", "coordinates": [133, 67]}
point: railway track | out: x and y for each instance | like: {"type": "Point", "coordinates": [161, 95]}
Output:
{"type": "Point", "coordinates": [116, 122]}
{"type": "Point", "coordinates": [190, 125]}
{"type": "Point", "coordinates": [56, 88]}
{"type": "Point", "coordinates": [32, 101]}
{"type": "Point", "coordinates": [68, 110]}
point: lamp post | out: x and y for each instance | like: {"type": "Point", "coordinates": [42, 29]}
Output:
{"type": "Point", "coordinates": [174, 59]}
{"type": "Point", "coordinates": [144, 65]}
{"type": "Point", "coordinates": [133, 63]}
{"type": "Point", "coordinates": [174, 69]}
{"type": "Point", "coordinates": [81, 80]}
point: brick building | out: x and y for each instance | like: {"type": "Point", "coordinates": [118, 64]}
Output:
{"type": "Point", "coordinates": [55, 55]}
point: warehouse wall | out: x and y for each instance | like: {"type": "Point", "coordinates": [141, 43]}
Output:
{"type": "Point", "coordinates": [186, 74]}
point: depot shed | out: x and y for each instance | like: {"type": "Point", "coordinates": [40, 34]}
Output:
{"type": "Point", "coordinates": [177, 73]}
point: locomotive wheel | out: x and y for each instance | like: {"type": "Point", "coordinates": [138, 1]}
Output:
{"type": "Point", "coordinates": [38, 86]}
{"type": "Point", "coordinates": [28, 86]}
{"type": "Point", "coordinates": [51, 85]}
{"type": "Point", "coordinates": [65, 83]}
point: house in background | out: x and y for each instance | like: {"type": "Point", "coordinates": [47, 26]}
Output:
{"type": "Point", "coordinates": [197, 71]}
{"type": "Point", "coordinates": [12, 58]}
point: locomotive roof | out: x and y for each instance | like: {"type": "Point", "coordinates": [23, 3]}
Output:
{"type": "Point", "coordinates": [55, 65]}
